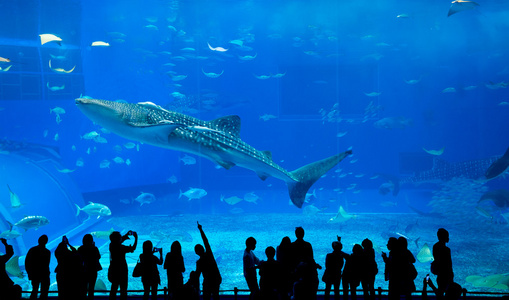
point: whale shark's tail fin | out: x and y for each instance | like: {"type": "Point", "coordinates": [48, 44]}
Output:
{"type": "Point", "coordinates": [307, 175]}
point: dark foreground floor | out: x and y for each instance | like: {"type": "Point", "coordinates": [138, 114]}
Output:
{"type": "Point", "coordinates": [244, 296]}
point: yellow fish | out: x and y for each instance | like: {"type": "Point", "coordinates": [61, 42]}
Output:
{"type": "Point", "coordinates": [435, 152]}
{"type": "Point", "coordinates": [60, 70]}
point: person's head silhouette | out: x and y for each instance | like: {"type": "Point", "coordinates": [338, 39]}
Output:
{"type": "Point", "coordinates": [88, 240]}
{"type": "Point", "coordinates": [299, 232]}
{"type": "Point", "coordinates": [199, 250]}
{"type": "Point", "coordinates": [43, 240]}
{"type": "Point", "coordinates": [147, 247]}
{"type": "Point", "coordinates": [250, 243]}
{"type": "Point", "coordinates": [443, 235]}
{"type": "Point", "coordinates": [115, 237]}
{"type": "Point", "coordinates": [176, 248]}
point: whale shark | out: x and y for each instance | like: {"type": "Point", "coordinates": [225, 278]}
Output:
{"type": "Point", "coordinates": [217, 140]}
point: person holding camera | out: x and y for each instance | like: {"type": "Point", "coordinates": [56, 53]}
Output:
{"type": "Point", "coordinates": [91, 256]}
{"type": "Point", "coordinates": [69, 271]}
{"type": "Point", "coordinates": [150, 274]}
{"type": "Point", "coordinates": [118, 272]}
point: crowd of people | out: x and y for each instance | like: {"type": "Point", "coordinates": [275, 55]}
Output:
{"type": "Point", "coordinates": [289, 271]}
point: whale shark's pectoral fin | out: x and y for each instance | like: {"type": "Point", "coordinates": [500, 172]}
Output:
{"type": "Point", "coordinates": [162, 130]}
{"type": "Point", "coordinates": [225, 164]}
{"type": "Point", "coordinates": [263, 176]}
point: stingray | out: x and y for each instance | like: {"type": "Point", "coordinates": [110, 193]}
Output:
{"type": "Point", "coordinates": [424, 254]}
{"type": "Point", "coordinates": [12, 267]}
{"type": "Point", "coordinates": [499, 166]}
{"type": "Point", "coordinates": [342, 216]}
{"type": "Point", "coordinates": [47, 37]}
{"type": "Point", "coordinates": [461, 5]}
{"type": "Point", "coordinates": [499, 197]}
{"type": "Point", "coordinates": [60, 70]}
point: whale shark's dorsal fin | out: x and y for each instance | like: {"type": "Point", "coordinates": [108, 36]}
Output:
{"type": "Point", "coordinates": [228, 124]}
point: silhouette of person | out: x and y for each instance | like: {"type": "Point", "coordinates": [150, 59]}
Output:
{"type": "Point", "coordinates": [207, 266]}
{"type": "Point", "coordinates": [369, 274]}
{"type": "Point", "coordinates": [284, 257]}
{"type": "Point", "coordinates": [250, 262]}
{"type": "Point", "coordinates": [270, 276]}
{"type": "Point", "coordinates": [442, 264]}
{"type": "Point", "coordinates": [150, 274]}
{"type": "Point", "coordinates": [406, 268]}
{"type": "Point", "coordinates": [91, 265]}
{"type": "Point", "coordinates": [117, 272]}
{"type": "Point", "coordinates": [37, 267]}
{"type": "Point", "coordinates": [302, 252]}
{"type": "Point", "coordinates": [69, 271]}
{"type": "Point", "coordinates": [352, 274]}
{"type": "Point", "coordinates": [191, 290]}
{"type": "Point", "coordinates": [453, 291]}
{"type": "Point", "coordinates": [174, 265]}
{"type": "Point", "coordinates": [388, 260]}
{"type": "Point", "coordinates": [8, 289]}
{"type": "Point", "coordinates": [334, 262]}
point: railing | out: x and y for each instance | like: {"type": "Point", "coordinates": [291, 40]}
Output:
{"type": "Point", "coordinates": [236, 292]}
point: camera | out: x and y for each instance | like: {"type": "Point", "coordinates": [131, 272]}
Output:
{"type": "Point", "coordinates": [130, 232]}
{"type": "Point", "coordinates": [157, 249]}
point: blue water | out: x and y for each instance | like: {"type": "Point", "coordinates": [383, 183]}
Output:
{"type": "Point", "coordinates": [441, 80]}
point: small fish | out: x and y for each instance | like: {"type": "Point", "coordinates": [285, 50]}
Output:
{"type": "Point", "coordinates": [90, 135]}
{"type": "Point", "coordinates": [65, 171]}
{"type": "Point", "coordinates": [94, 209]}
{"type": "Point", "coordinates": [373, 94]}
{"type": "Point", "coordinates": [278, 75]}
{"type": "Point", "coordinates": [3, 59]}
{"type": "Point", "coordinates": [57, 110]}
{"type": "Point", "coordinates": [188, 160]}
{"type": "Point", "coordinates": [100, 140]}
{"type": "Point", "coordinates": [173, 179]}
{"type": "Point", "coordinates": [449, 90]}
{"type": "Point", "coordinates": [193, 193]}
{"type": "Point", "coordinates": [145, 198]}
{"type": "Point", "coordinates": [100, 44]}
{"type": "Point", "coordinates": [104, 164]}
{"type": "Point", "coordinates": [218, 49]}
{"type": "Point", "coordinates": [212, 75]}
{"type": "Point", "coordinates": [178, 77]}
{"type": "Point", "coordinates": [435, 152]}
{"type": "Point", "coordinates": [56, 137]}
{"type": "Point", "coordinates": [341, 134]}
{"type": "Point", "coordinates": [48, 37]}
{"type": "Point", "coordinates": [118, 160]}
{"type": "Point", "coordinates": [80, 162]}
{"type": "Point", "coordinates": [152, 27]}
{"type": "Point", "coordinates": [262, 77]}
{"type": "Point", "coordinates": [251, 197]}
{"type": "Point", "coordinates": [231, 200]}
{"type": "Point", "coordinates": [267, 117]}
{"type": "Point", "coordinates": [104, 235]}
{"type": "Point", "coordinates": [129, 145]}
{"type": "Point", "coordinates": [239, 43]}
{"type": "Point", "coordinates": [128, 162]}
{"type": "Point", "coordinates": [403, 16]}
{"type": "Point", "coordinates": [73, 148]}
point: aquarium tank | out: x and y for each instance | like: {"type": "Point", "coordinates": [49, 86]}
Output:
{"type": "Point", "coordinates": [358, 119]}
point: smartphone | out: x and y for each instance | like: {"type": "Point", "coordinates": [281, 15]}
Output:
{"type": "Point", "coordinates": [130, 232]}
{"type": "Point", "coordinates": [427, 278]}
{"type": "Point", "coordinates": [156, 249]}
